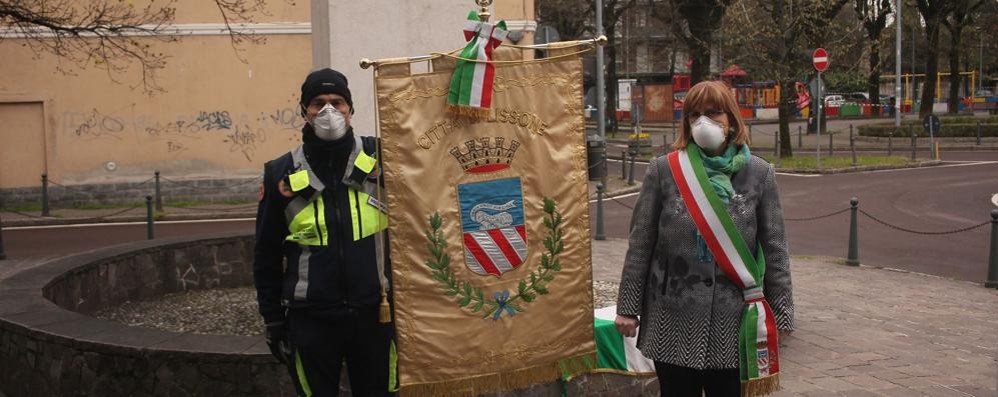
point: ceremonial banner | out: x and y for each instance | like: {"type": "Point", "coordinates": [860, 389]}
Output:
{"type": "Point", "coordinates": [488, 228]}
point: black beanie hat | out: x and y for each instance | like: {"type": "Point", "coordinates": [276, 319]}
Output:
{"type": "Point", "coordinates": [325, 81]}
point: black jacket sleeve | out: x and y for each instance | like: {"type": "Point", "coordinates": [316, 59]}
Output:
{"type": "Point", "coordinates": [268, 256]}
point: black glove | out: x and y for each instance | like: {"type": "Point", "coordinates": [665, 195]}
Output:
{"type": "Point", "coordinates": [277, 341]}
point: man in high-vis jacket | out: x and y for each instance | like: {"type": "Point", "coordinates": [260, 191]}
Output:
{"type": "Point", "coordinates": [320, 214]}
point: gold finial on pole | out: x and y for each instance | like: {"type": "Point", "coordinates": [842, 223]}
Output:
{"type": "Point", "coordinates": [483, 9]}
{"type": "Point", "coordinates": [601, 40]}
{"type": "Point", "coordinates": [366, 63]}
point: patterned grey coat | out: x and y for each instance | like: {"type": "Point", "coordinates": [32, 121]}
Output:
{"type": "Point", "coordinates": [690, 311]}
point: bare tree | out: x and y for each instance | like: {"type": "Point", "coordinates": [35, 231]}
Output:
{"type": "Point", "coordinates": [960, 17]}
{"type": "Point", "coordinates": [775, 37]}
{"type": "Point", "coordinates": [699, 20]}
{"type": "Point", "coordinates": [933, 13]}
{"type": "Point", "coordinates": [613, 10]}
{"type": "Point", "coordinates": [873, 15]}
{"type": "Point", "coordinates": [111, 34]}
{"type": "Point", "coordinates": [574, 16]}
{"type": "Point", "coordinates": [572, 19]}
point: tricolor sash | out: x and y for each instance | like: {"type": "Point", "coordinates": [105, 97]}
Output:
{"type": "Point", "coordinates": [758, 355]}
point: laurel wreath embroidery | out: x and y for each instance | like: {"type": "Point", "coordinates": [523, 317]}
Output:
{"type": "Point", "coordinates": [473, 298]}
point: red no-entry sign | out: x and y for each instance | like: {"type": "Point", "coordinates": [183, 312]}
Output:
{"type": "Point", "coordinates": [820, 59]}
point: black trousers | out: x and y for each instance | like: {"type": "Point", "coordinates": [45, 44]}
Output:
{"type": "Point", "coordinates": [676, 381]}
{"type": "Point", "coordinates": [323, 341]}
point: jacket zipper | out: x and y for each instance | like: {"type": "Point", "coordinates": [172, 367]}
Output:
{"type": "Point", "coordinates": [339, 248]}
{"type": "Point", "coordinates": [315, 213]}
{"type": "Point", "coordinates": [360, 219]}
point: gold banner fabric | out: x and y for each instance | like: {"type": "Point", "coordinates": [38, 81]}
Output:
{"type": "Point", "coordinates": [489, 230]}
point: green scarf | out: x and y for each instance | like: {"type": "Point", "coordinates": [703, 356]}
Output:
{"type": "Point", "coordinates": [720, 168]}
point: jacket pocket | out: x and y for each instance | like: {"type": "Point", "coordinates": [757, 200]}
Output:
{"type": "Point", "coordinates": [664, 269]}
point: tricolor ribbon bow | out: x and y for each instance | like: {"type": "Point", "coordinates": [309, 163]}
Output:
{"type": "Point", "coordinates": [471, 84]}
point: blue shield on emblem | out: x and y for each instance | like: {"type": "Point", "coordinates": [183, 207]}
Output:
{"type": "Point", "coordinates": [495, 240]}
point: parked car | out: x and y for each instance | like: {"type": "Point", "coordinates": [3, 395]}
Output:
{"type": "Point", "coordinates": [857, 97]}
{"type": "Point", "coordinates": [834, 100]}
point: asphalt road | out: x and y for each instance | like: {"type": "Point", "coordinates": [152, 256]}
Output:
{"type": "Point", "coordinates": [933, 199]}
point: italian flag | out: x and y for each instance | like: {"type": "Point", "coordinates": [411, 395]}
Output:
{"type": "Point", "coordinates": [614, 353]}
{"type": "Point", "coordinates": [471, 83]}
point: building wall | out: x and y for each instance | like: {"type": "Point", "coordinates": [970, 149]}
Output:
{"type": "Point", "coordinates": [218, 117]}
{"type": "Point", "coordinates": [225, 110]}
{"type": "Point", "coordinates": [348, 31]}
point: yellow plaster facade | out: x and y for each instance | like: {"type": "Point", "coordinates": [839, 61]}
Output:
{"type": "Point", "coordinates": [220, 117]}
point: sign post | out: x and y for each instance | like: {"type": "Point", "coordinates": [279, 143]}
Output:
{"type": "Point", "coordinates": [931, 124]}
{"type": "Point", "coordinates": [820, 60]}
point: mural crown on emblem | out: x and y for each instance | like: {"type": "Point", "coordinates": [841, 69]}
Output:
{"type": "Point", "coordinates": [483, 155]}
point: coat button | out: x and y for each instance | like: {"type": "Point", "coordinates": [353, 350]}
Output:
{"type": "Point", "coordinates": [708, 282]}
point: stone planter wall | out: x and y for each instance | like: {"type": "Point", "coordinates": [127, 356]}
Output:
{"type": "Point", "coordinates": [49, 345]}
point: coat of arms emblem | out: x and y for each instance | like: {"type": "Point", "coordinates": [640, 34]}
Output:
{"type": "Point", "coordinates": [495, 240]}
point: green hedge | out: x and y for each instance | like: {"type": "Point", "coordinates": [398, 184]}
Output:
{"type": "Point", "coordinates": [945, 130]}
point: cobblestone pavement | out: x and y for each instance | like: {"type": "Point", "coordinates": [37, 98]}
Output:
{"type": "Point", "coordinates": [864, 331]}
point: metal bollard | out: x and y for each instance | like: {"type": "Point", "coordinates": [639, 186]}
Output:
{"type": "Point", "coordinates": [630, 175]}
{"type": "Point", "coordinates": [2, 254]}
{"type": "Point", "coordinates": [600, 233]}
{"type": "Point", "coordinates": [800, 137]}
{"type": "Point", "coordinates": [159, 196]}
{"type": "Point", "coordinates": [831, 150]}
{"type": "Point", "coordinates": [623, 164]}
{"type": "Point", "coordinates": [149, 220]}
{"type": "Point", "coordinates": [779, 159]}
{"type": "Point", "coordinates": [911, 131]}
{"type": "Point", "coordinates": [890, 143]}
{"type": "Point", "coordinates": [45, 194]}
{"type": "Point", "coordinates": [992, 281]}
{"type": "Point", "coordinates": [978, 133]}
{"type": "Point", "coordinates": [853, 258]}
{"type": "Point", "coordinates": [776, 144]}
{"type": "Point", "coordinates": [852, 146]}
{"type": "Point", "coordinates": [750, 132]}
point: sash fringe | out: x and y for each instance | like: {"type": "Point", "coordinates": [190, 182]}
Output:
{"type": "Point", "coordinates": [761, 386]}
{"type": "Point", "coordinates": [491, 383]}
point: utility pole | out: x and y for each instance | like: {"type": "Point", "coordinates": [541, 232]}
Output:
{"type": "Point", "coordinates": [600, 114]}
{"type": "Point", "coordinates": [897, 68]}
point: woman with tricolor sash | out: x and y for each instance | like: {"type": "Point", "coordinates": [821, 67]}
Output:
{"type": "Point", "coordinates": [707, 272]}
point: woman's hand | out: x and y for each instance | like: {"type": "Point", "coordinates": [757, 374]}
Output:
{"type": "Point", "coordinates": [626, 325]}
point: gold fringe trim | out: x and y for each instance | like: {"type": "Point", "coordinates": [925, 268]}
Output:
{"type": "Point", "coordinates": [761, 386]}
{"type": "Point", "coordinates": [492, 383]}
{"type": "Point", "coordinates": [477, 114]}
{"type": "Point", "coordinates": [622, 372]}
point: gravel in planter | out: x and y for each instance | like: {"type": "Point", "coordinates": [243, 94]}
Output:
{"type": "Point", "coordinates": [233, 311]}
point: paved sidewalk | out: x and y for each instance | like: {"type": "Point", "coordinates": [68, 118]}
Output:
{"type": "Point", "coordinates": [864, 331]}
{"type": "Point", "coordinates": [861, 331]}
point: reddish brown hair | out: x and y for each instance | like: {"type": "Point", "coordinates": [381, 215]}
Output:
{"type": "Point", "coordinates": [717, 95]}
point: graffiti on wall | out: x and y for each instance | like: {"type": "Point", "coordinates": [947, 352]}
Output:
{"type": "Point", "coordinates": [241, 133]}
{"type": "Point", "coordinates": [94, 124]}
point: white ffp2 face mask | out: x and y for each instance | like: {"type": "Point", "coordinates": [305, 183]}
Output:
{"type": "Point", "coordinates": [329, 124]}
{"type": "Point", "coordinates": [707, 133]}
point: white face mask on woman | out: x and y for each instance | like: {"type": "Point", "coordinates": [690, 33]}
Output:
{"type": "Point", "coordinates": [329, 123]}
{"type": "Point", "coordinates": [707, 133]}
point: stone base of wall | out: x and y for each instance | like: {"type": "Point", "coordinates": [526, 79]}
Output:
{"type": "Point", "coordinates": [202, 190]}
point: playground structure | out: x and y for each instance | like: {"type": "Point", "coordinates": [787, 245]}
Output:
{"type": "Point", "coordinates": [760, 100]}
{"type": "Point", "coordinates": [914, 81]}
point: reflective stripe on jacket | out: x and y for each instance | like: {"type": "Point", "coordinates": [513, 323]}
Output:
{"type": "Point", "coordinates": [323, 228]}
